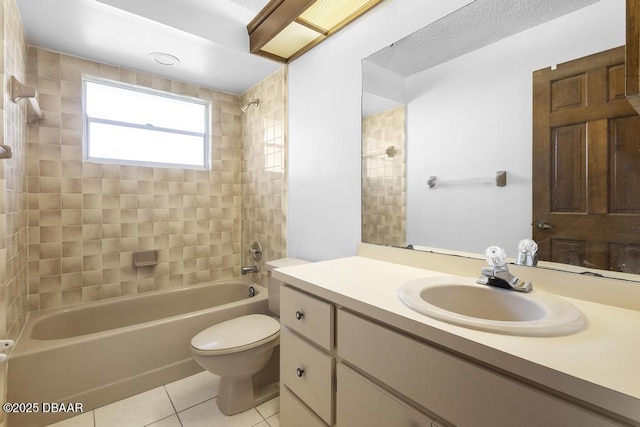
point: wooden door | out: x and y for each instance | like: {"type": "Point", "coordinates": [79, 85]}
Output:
{"type": "Point", "coordinates": [586, 165]}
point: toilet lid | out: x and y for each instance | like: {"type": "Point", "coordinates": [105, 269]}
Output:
{"type": "Point", "coordinates": [245, 331]}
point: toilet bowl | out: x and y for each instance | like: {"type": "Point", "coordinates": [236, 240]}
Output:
{"type": "Point", "coordinates": [244, 352]}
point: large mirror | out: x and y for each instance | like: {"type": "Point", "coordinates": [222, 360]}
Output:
{"type": "Point", "coordinates": [448, 108]}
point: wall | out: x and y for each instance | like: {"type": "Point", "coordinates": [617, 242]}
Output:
{"type": "Point", "coordinates": [264, 184]}
{"type": "Point", "coordinates": [477, 120]}
{"type": "Point", "coordinates": [13, 213]}
{"type": "Point", "coordinates": [324, 115]}
{"type": "Point", "coordinates": [384, 186]}
{"type": "Point", "coordinates": [325, 88]}
{"type": "Point", "coordinates": [86, 220]}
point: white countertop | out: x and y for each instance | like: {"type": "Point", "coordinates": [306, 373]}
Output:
{"type": "Point", "coordinates": [599, 365]}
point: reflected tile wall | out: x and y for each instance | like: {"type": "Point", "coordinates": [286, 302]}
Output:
{"type": "Point", "coordinates": [13, 213]}
{"type": "Point", "coordinates": [384, 178]}
{"type": "Point", "coordinates": [86, 220]}
{"type": "Point", "coordinates": [264, 171]}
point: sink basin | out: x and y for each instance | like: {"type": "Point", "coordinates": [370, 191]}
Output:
{"type": "Point", "coordinates": [460, 301]}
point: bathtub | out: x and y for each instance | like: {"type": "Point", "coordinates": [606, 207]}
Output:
{"type": "Point", "coordinates": [102, 352]}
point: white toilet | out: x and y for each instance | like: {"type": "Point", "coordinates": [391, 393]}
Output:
{"type": "Point", "coordinates": [241, 352]}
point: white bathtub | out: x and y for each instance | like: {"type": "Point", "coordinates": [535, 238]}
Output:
{"type": "Point", "coordinates": [102, 352]}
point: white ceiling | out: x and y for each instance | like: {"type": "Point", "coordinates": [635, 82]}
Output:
{"type": "Point", "coordinates": [208, 36]}
{"type": "Point", "coordinates": [478, 24]}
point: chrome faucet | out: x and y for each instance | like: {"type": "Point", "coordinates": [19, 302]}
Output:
{"type": "Point", "coordinates": [252, 269]}
{"type": "Point", "coordinates": [498, 274]}
{"type": "Point", "coordinates": [527, 249]}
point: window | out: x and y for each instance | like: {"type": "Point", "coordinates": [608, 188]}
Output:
{"type": "Point", "coordinates": [132, 125]}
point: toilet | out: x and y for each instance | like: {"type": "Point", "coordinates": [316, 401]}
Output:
{"type": "Point", "coordinates": [241, 352]}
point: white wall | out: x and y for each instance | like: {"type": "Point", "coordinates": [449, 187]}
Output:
{"type": "Point", "coordinates": [472, 116]}
{"type": "Point", "coordinates": [324, 128]}
{"type": "Point", "coordinates": [325, 88]}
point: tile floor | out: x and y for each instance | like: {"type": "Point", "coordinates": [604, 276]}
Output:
{"type": "Point", "coordinates": [189, 402]}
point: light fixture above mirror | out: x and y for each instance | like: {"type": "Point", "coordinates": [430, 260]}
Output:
{"type": "Point", "coordinates": [285, 29]}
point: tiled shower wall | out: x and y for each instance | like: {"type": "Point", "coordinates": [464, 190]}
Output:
{"type": "Point", "coordinates": [86, 220]}
{"type": "Point", "coordinates": [13, 197]}
{"type": "Point", "coordinates": [384, 178]}
{"type": "Point", "coordinates": [263, 171]}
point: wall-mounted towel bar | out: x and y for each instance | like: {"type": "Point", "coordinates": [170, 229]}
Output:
{"type": "Point", "coordinates": [20, 91]}
{"type": "Point", "coordinates": [500, 180]}
{"type": "Point", "coordinates": [388, 153]}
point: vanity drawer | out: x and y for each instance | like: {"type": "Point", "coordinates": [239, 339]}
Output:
{"type": "Point", "coordinates": [456, 389]}
{"type": "Point", "coordinates": [361, 403]}
{"type": "Point", "coordinates": [308, 316]}
{"type": "Point", "coordinates": [308, 373]}
{"type": "Point", "coordinates": [295, 413]}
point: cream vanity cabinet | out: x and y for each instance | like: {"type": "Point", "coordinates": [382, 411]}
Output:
{"type": "Point", "coordinates": [319, 390]}
{"type": "Point", "coordinates": [340, 368]}
{"type": "Point", "coordinates": [307, 360]}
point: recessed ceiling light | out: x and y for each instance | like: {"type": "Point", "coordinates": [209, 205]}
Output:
{"type": "Point", "coordinates": [163, 58]}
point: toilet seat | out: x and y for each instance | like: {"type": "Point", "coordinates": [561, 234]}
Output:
{"type": "Point", "coordinates": [231, 336]}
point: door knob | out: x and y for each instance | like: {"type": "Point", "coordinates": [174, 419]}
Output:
{"type": "Point", "coordinates": [541, 225]}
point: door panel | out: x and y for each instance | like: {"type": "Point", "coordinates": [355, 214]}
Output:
{"type": "Point", "coordinates": [625, 158]}
{"type": "Point", "coordinates": [586, 165]}
{"type": "Point", "coordinates": [568, 192]}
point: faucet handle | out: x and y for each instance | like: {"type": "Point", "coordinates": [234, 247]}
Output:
{"type": "Point", "coordinates": [496, 256]}
{"type": "Point", "coordinates": [527, 249]}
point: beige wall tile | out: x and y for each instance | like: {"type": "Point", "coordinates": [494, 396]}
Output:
{"type": "Point", "coordinates": [97, 215]}
{"type": "Point", "coordinates": [19, 249]}
{"type": "Point", "coordinates": [383, 179]}
{"type": "Point", "coordinates": [263, 171]}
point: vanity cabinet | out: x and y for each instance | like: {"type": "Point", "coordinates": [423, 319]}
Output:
{"type": "Point", "coordinates": [307, 362]}
{"type": "Point", "coordinates": [341, 368]}
{"type": "Point", "coordinates": [451, 386]}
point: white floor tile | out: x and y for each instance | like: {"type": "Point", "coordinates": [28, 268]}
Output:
{"type": "Point", "coordinates": [171, 421]}
{"type": "Point", "coordinates": [139, 410]}
{"type": "Point", "coordinates": [274, 421]}
{"type": "Point", "coordinates": [192, 390]}
{"type": "Point", "coordinates": [193, 399]}
{"type": "Point", "coordinates": [207, 414]}
{"type": "Point", "coordinates": [269, 407]}
{"type": "Point", "coordinates": [82, 420]}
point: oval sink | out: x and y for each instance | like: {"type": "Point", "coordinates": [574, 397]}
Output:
{"type": "Point", "coordinates": [460, 301]}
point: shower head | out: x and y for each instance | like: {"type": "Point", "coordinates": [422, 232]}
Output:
{"type": "Point", "coordinates": [246, 106]}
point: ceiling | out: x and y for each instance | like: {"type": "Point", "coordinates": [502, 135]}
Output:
{"type": "Point", "coordinates": [208, 36]}
{"type": "Point", "coordinates": [478, 24]}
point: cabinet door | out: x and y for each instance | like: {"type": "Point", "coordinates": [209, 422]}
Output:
{"type": "Point", "coordinates": [361, 403]}
{"type": "Point", "coordinates": [295, 413]}
{"type": "Point", "coordinates": [456, 389]}
{"type": "Point", "coordinates": [308, 373]}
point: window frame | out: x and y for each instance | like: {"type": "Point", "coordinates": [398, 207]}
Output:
{"type": "Point", "coordinates": [87, 120]}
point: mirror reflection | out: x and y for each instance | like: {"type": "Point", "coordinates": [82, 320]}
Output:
{"type": "Point", "coordinates": [455, 101]}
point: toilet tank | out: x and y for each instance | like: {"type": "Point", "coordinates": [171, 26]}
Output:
{"type": "Point", "coordinates": [274, 285]}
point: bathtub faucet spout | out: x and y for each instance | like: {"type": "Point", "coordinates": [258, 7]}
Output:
{"type": "Point", "coordinates": [252, 269]}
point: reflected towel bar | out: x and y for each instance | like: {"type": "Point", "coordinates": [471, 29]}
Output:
{"type": "Point", "coordinates": [20, 91]}
{"type": "Point", "coordinates": [388, 153]}
{"type": "Point", "coordinates": [500, 180]}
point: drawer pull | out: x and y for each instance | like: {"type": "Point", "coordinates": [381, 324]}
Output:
{"type": "Point", "coordinates": [299, 315]}
{"type": "Point", "coordinates": [299, 372]}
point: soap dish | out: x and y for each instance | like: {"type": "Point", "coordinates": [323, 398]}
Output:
{"type": "Point", "coordinates": [145, 258]}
